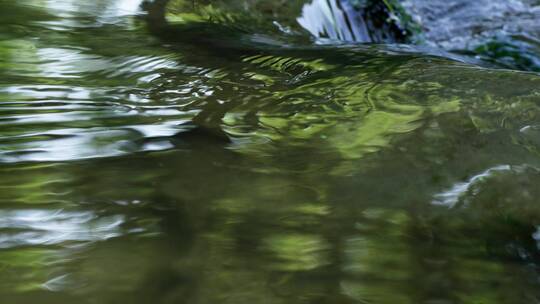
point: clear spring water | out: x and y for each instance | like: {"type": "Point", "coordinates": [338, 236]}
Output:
{"type": "Point", "coordinates": [228, 158]}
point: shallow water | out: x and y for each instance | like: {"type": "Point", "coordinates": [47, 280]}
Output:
{"type": "Point", "coordinates": [227, 157]}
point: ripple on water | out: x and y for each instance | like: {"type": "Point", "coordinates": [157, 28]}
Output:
{"type": "Point", "coordinates": [66, 122]}
{"type": "Point", "coordinates": [55, 227]}
{"type": "Point", "coordinates": [324, 195]}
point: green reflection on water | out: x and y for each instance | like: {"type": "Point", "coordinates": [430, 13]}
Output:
{"type": "Point", "coordinates": [141, 167]}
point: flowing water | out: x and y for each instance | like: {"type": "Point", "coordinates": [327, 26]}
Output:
{"type": "Point", "coordinates": [227, 157]}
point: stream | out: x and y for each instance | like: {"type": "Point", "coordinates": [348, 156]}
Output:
{"type": "Point", "coordinates": [224, 152]}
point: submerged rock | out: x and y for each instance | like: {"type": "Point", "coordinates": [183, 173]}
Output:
{"type": "Point", "coordinates": [353, 100]}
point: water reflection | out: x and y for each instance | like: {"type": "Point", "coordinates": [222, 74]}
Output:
{"type": "Point", "coordinates": [139, 166]}
{"type": "Point", "coordinates": [52, 227]}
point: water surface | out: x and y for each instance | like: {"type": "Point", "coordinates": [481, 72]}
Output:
{"type": "Point", "coordinates": [228, 157]}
